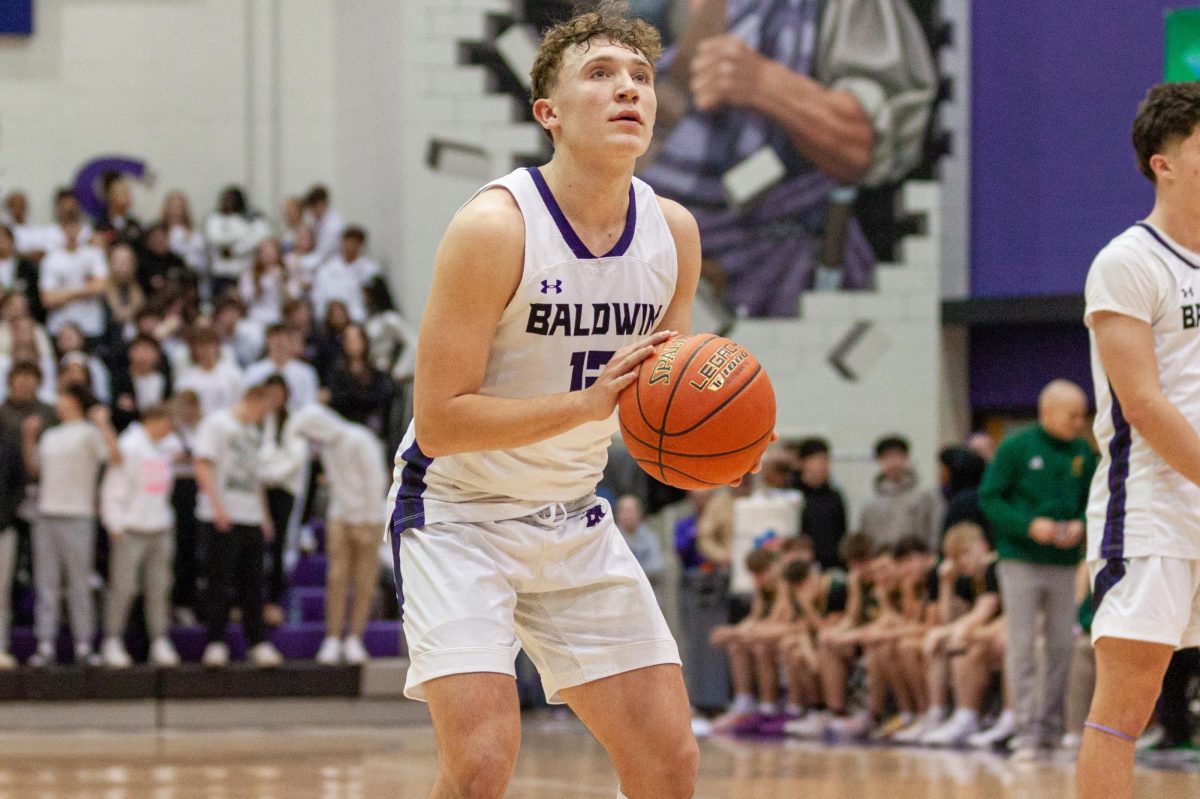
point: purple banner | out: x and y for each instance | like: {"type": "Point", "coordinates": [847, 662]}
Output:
{"type": "Point", "coordinates": [1055, 85]}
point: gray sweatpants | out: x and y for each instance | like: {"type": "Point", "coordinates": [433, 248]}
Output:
{"type": "Point", "coordinates": [8, 564]}
{"type": "Point", "coordinates": [64, 543]}
{"type": "Point", "coordinates": [140, 562]}
{"type": "Point", "coordinates": [1027, 590]}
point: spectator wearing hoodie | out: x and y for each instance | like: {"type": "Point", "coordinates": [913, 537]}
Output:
{"type": "Point", "coordinates": [900, 507]}
{"type": "Point", "coordinates": [962, 470]}
{"type": "Point", "coordinates": [824, 516]}
{"type": "Point", "coordinates": [136, 510]}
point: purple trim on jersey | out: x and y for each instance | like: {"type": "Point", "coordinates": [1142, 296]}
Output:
{"type": "Point", "coordinates": [410, 503]}
{"type": "Point", "coordinates": [1164, 243]}
{"type": "Point", "coordinates": [1112, 544]}
{"type": "Point", "coordinates": [568, 233]}
{"type": "Point", "coordinates": [396, 572]}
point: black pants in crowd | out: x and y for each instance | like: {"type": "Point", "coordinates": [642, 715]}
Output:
{"type": "Point", "coordinates": [279, 505]}
{"type": "Point", "coordinates": [187, 544]}
{"type": "Point", "coordinates": [235, 576]}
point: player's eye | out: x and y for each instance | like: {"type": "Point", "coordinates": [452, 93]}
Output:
{"type": "Point", "coordinates": [599, 73]}
{"type": "Point", "coordinates": [643, 77]}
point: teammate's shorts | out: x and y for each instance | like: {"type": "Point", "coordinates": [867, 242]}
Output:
{"type": "Point", "coordinates": [562, 584]}
{"type": "Point", "coordinates": [1157, 601]}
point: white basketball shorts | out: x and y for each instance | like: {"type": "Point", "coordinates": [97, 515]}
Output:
{"type": "Point", "coordinates": [562, 584]}
{"type": "Point", "coordinates": [1157, 600]}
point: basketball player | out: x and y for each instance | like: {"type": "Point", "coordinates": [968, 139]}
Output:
{"type": "Point", "coordinates": [551, 285]}
{"type": "Point", "coordinates": [1143, 309]}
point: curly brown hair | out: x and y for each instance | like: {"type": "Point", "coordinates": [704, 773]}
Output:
{"type": "Point", "coordinates": [610, 20]}
{"type": "Point", "coordinates": [1169, 111]}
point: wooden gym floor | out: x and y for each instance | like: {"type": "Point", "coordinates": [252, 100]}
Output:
{"type": "Point", "coordinates": [558, 761]}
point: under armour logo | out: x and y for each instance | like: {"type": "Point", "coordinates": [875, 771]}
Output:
{"type": "Point", "coordinates": [556, 287]}
{"type": "Point", "coordinates": [1189, 292]}
{"type": "Point", "coordinates": [594, 515]}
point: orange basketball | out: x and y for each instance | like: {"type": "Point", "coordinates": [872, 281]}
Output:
{"type": "Point", "coordinates": [700, 412]}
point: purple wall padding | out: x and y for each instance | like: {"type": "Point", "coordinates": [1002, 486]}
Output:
{"type": "Point", "coordinates": [1009, 364]}
{"type": "Point", "coordinates": [1054, 88]}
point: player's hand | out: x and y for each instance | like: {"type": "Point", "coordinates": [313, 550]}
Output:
{"type": "Point", "coordinates": [268, 529]}
{"type": "Point", "coordinates": [757, 466]}
{"type": "Point", "coordinates": [221, 520]}
{"type": "Point", "coordinates": [618, 374]}
{"type": "Point", "coordinates": [1042, 530]}
{"type": "Point", "coordinates": [726, 71]}
{"type": "Point", "coordinates": [947, 571]}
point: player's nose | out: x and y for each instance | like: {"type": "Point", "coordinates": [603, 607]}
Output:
{"type": "Point", "coordinates": [628, 90]}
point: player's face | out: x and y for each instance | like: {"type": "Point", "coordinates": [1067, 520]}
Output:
{"type": "Point", "coordinates": [604, 96]}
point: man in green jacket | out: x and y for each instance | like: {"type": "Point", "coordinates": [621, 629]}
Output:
{"type": "Point", "coordinates": [1035, 495]}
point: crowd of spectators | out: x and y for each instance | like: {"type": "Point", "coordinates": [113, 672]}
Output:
{"type": "Point", "coordinates": [207, 368]}
{"type": "Point", "coordinates": [956, 615]}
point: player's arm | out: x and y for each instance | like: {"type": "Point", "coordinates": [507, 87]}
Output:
{"type": "Point", "coordinates": [1126, 347]}
{"type": "Point", "coordinates": [477, 270]}
{"type": "Point", "coordinates": [684, 230]}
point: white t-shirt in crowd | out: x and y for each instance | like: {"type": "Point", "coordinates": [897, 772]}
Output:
{"type": "Point", "coordinates": [337, 280]}
{"type": "Point", "coordinates": [188, 245]}
{"type": "Point", "coordinates": [72, 269]}
{"type": "Point", "coordinates": [328, 235]}
{"type": "Point", "coordinates": [301, 379]}
{"type": "Point", "coordinates": [219, 388]}
{"type": "Point", "coordinates": [71, 455]}
{"type": "Point", "coordinates": [237, 236]}
{"type": "Point", "coordinates": [353, 461]}
{"type": "Point", "coordinates": [1139, 506]}
{"type": "Point", "coordinates": [232, 447]}
{"type": "Point", "coordinates": [51, 237]}
{"type": "Point", "coordinates": [136, 496]}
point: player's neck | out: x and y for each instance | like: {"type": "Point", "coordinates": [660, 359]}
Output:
{"type": "Point", "coordinates": [1178, 220]}
{"type": "Point", "coordinates": [594, 194]}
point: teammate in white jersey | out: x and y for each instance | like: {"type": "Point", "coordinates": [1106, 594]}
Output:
{"type": "Point", "coordinates": [551, 285]}
{"type": "Point", "coordinates": [1143, 301]}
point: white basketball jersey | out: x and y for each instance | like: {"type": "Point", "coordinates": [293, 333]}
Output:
{"type": "Point", "coordinates": [1139, 505]}
{"type": "Point", "coordinates": [571, 311]}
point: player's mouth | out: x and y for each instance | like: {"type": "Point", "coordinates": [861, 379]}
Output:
{"type": "Point", "coordinates": [627, 116]}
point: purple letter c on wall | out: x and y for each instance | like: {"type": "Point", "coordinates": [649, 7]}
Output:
{"type": "Point", "coordinates": [87, 179]}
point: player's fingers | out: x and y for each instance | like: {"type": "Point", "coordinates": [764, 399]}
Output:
{"type": "Point", "coordinates": [630, 362]}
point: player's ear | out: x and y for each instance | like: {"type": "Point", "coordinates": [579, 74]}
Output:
{"type": "Point", "coordinates": [1162, 166]}
{"type": "Point", "coordinates": [545, 113]}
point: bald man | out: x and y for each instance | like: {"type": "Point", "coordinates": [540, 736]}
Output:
{"type": "Point", "coordinates": [1034, 492]}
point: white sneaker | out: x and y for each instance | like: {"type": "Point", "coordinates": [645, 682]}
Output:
{"type": "Point", "coordinates": [330, 651]}
{"type": "Point", "coordinates": [163, 654]}
{"type": "Point", "coordinates": [85, 656]}
{"type": "Point", "coordinates": [1004, 728]}
{"type": "Point", "coordinates": [913, 733]}
{"type": "Point", "coordinates": [7, 661]}
{"type": "Point", "coordinates": [954, 732]}
{"type": "Point", "coordinates": [851, 728]}
{"type": "Point", "coordinates": [112, 650]}
{"type": "Point", "coordinates": [353, 650]}
{"type": "Point", "coordinates": [44, 655]}
{"type": "Point", "coordinates": [811, 725]}
{"type": "Point", "coordinates": [216, 656]}
{"type": "Point", "coordinates": [265, 655]}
